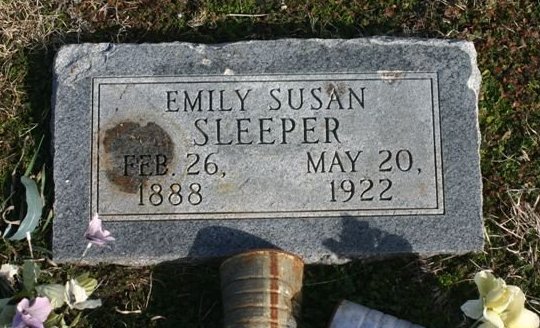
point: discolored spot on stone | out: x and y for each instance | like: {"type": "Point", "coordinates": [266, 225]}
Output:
{"type": "Point", "coordinates": [132, 139]}
{"type": "Point", "coordinates": [391, 76]}
{"type": "Point", "coordinates": [329, 88]}
{"type": "Point", "coordinates": [339, 88]}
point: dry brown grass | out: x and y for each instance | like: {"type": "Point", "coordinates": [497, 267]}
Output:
{"type": "Point", "coordinates": [513, 245]}
{"type": "Point", "coordinates": [23, 24]}
{"type": "Point", "coordinates": [520, 230]}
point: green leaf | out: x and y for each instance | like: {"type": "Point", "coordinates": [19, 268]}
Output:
{"type": "Point", "coordinates": [89, 284]}
{"type": "Point", "coordinates": [33, 213]}
{"type": "Point", "coordinates": [6, 316]}
{"type": "Point", "coordinates": [75, 321]}
{"type": "Point", "coordinates": [54, 292]}
{"type": "Point", "coordinates": [56, 320]}
{"type": "Point", "coordinates": [30, 274]}
{"type": "Point", "coordinates": [4, 302]}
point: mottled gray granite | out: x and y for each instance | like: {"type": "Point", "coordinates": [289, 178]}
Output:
{"type": "Point", "coordinates": [420, 95]}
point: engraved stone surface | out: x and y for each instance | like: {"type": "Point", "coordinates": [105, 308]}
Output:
{"type": "Point", "coordinates": [330, 149]}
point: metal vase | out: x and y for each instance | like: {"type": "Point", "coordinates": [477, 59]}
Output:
{"type": "Point", "coordinates": [261, 289]}
{"type": "Point", "coordinates": [352, 315]}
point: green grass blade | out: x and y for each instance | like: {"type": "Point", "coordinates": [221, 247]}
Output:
{"type": "Point", "coordinates": [7, 232]}
{"type": "Point", "coordinates": [34, 209]}
{"type": "Point", "coordinates": [34, 157]}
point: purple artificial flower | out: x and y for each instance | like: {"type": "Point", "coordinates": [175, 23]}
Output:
{"type": "Point", "coordinates": [32, 314]}
{"type": "Point", "coordinates": [96, 234]}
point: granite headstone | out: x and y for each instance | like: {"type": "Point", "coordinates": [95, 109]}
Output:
{"type": "Point", "coordinates": [330, 149]}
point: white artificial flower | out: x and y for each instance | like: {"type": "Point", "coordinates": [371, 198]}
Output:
{"type": "Point", "coordinates": [8, 271]}
{"type": "Point", "coordinates": [499, 305]}
{"type": "Point", "coordinates": [77, 296]}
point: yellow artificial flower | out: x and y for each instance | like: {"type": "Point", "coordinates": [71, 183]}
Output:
{"type": "Point", "coordinates": [499, 306]}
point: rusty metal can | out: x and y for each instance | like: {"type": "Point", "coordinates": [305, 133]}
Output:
{"type": "Point", "coordinates": [352, 315]}
{"type": "Point", "coordinates": [261, 289]}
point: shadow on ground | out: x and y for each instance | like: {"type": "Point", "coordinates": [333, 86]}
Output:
{"type": "Point", "coordinates": [183, 295]}
{"type": "Point", "coordinates": [186, 295]}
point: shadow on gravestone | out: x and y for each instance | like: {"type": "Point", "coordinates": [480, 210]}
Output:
{"type": "Point", "coordinates": [357, 239]}
{"type": "Point", "coordinates": [184, 293]}
{"type": "Point", "coordinates": [212, 241]}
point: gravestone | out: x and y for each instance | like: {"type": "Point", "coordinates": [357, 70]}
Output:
{"type": "Point", "coordinates": [329, 149]}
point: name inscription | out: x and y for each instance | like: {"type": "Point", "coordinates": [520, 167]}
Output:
{"type": "Point", "coordinates": [224, 147]}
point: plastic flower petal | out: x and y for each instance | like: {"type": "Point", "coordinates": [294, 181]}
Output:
{"type": "Point", "coordinates": [473, 309]}
{"type": "Point", "coordinates": [75, 293]}
{"type": "Point", "coordinates": [526, 319]}
{"type": "Point", "coordinates": [54, 292]}
{"type": "Point", "coordinates": [486, 325]}
{"type": "Point", "coordinates": [32, 314]}
{"type": "Point", "coordinates": [498, 300]}
{"type": "Point", "coordinates": [501, 306]}
{"type": "Point", "coordinates": [516, 315]}
{"type": "Point", "coordinates": [517, 304]}
{"type": "Point", "coordinates": [8, 271]}
{"type": "Point", "coordinates": [493, 318]}
{"type": "Point", "coordinates": [96, 234]}
{"type": "Point", "coordinates": [77, 296]}
{"type": "Point", "coordinates": [88, 304]}
{"type": "Point", "coordinates": [89, 284]}
{"type": "Point", "coordinates": [487, 282]}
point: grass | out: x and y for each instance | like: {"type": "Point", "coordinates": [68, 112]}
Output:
{"type": "Point", "coordinates": [428, 291]}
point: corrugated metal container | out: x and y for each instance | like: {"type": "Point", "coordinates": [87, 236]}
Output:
{"type": "Point", "coordinates": [352, 315]}
{"type": "Point", "coordinates": [261, 289]}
